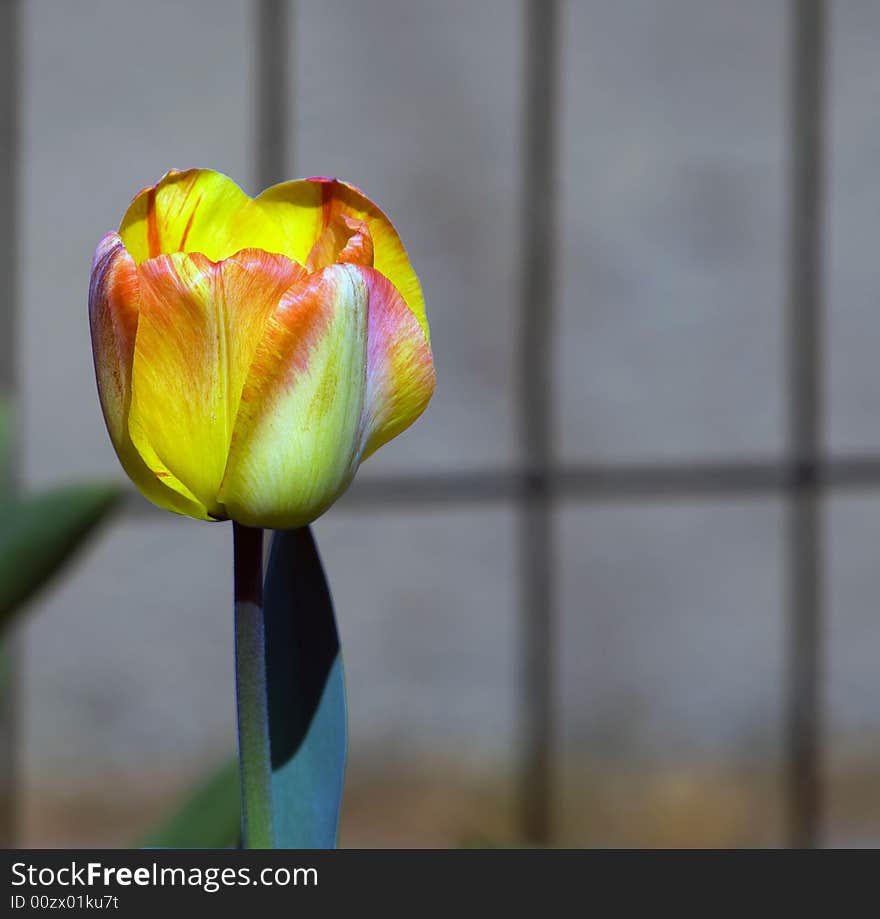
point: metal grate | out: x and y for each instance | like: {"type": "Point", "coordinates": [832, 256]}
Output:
{"type": "Point", "coordinates": [801, 478]}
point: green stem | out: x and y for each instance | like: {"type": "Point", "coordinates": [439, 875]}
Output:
{"type": "Point", "coordinates": [250, 690]}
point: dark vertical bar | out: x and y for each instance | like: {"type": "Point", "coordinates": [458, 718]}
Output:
{"type": "Point", "coordinates": [805, 279]}
{"type": "Point", "coordinates": [538, 221]}
{"type": "Point", "coordinates": [9, 89]}
{"type": "Point", "coordinates": [272, 105]}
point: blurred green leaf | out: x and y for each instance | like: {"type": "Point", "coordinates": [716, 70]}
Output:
{"type": "Point", "coordinates": [39, 533]}
{"type": "Point", "coordinates": [210, 818]}
{"type": "Point", "coordinates": [5, 442]}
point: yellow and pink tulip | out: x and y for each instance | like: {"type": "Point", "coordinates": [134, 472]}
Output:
{"type": "Point", "coordinates": [250, 353]}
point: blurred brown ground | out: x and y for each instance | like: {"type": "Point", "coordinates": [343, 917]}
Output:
{"type": "Point", "coordinates": [690, 807]}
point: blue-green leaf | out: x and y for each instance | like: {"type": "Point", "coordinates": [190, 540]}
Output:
{"type": "Point", "coordinates": [306, 696]}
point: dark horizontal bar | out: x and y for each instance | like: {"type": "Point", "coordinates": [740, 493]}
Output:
{"type": "Point", "coordinates": [600, 482]}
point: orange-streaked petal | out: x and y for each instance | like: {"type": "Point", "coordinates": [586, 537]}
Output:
{"type": "Point", "coordinates": [296, 440]}
{"type": "Point", "coordinates": [400, 367]}
{"type": "Point", "coordinates": [304, 209]}
{"type": "Point", "coordinates": [196, 211]}
{"type": "Point", "coordinates": [114, 298]}
{"type": "Point", "coordinates": [200, 324]}
{"type": "Point", "coordinates": [345, 240]}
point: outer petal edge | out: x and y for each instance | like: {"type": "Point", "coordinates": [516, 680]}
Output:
{"type": "Point", "coordinates": [400, 366]}
{"type": "Point", "coordinates": [114, 297]}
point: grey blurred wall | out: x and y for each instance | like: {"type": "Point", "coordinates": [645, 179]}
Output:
{"type": "Point", "coordinates": [670, 346]}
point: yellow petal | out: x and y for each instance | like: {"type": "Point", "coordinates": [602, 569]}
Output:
{"type": "Point", "coordinates": [114, 300]}
{"type": "Point", "coordinates": [298, 430]}
{"type": "Point", "coordinates": [200, 325]}
{"type": "Point", "coordinates": [196, 211]}
{"type": "Point", "coordinates": [304, 209]}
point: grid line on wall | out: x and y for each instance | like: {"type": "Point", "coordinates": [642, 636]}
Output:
{"type": "Point", "coordinates": [536, 552]}
{"type": "Point", "coordinates": [807, 62]}
{"type": "Point", "coordinates": [9, 253]}
{"type": "Point", "coordinates": [639, 481]}
{"type": "Point", "coordinates": [272, 105]}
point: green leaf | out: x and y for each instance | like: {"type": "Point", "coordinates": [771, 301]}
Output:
{"type": "Point", "coordinates": [39, 533]}
{"type": "Point", "coordinates": [306, 696]}
{"type": "Point", "coordinates": [209, 818]}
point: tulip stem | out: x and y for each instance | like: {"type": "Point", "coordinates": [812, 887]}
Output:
{"type": "Point", "coordinates": [251, 689]}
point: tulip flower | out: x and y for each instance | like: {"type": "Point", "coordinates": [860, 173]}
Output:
{"type": "Point", "coordinates": [251, 353]}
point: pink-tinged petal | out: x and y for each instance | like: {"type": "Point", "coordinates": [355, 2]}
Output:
{"type": "Point", "coordinates": [196, 211]}
{"type": "Point", "coordinates": [114, 301]}
{"type": "Point", "coordinates": [400, 367]}
{"type": "Point", "coordinates": [200, 325]}
{"type": "Point", "coordinates": [304, 209]}
{"type": "Point", "coordinates": [113, 318]}
{"type": "Point", "coordinates": [297, 434]}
